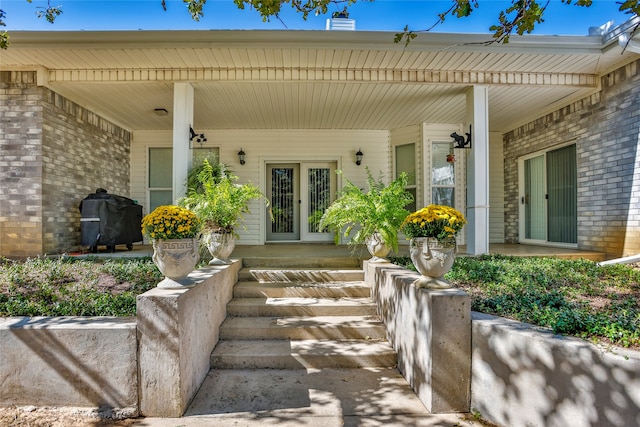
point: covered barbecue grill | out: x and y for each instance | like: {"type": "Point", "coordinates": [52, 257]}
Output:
{"type": "Point", "coordinates": [109, 220]}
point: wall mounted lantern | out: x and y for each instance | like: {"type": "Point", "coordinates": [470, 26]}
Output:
{"type": "Point", "coordinates": [241, 155]}
{"type": "Point", "coordinates": [359, 156]}
{"type": "Point", "coordinates": [460, 141]}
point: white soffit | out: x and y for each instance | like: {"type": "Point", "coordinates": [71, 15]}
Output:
{"type": "Point", "coordinates": [311, 79]}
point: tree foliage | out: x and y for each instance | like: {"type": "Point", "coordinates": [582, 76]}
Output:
{"type": "Point", "coordinates": [519, 17]}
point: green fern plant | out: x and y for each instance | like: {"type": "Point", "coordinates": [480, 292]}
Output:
{"type": "Point", "coordinates": [381, 209]}
{"type": "Point", "coordinates": [217, 200]}
{"type": "Point", "coordinates": [218, 171]}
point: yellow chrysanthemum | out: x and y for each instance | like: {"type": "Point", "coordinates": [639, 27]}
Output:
{"type": "Point", "coordinates": [433, 221]}
{"type": "Point", "coordinates": [170, 222]}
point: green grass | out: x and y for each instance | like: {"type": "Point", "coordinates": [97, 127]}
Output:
{"type": "Point", "coordinates": [74, 287]}
{"type": "Point", "coordinates": [571, 297]}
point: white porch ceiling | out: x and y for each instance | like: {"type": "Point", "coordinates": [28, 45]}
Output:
{"type": "Point", "coordinates": [311, 79]}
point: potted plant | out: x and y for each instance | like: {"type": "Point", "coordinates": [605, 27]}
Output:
{"type": "Point", "coordinates": [219, 203]}
{"type": "Point", "coordinates": [432, 232]}
{"type": "Point", "coordinates": [375, 215]}
{"type": "Point", "coordinates": [173, 231]}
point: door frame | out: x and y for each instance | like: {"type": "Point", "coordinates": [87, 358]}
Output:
{"type": "Point", "coordinates": [521, 194]}
{"type": "Point", "coordinates": [300, 160]}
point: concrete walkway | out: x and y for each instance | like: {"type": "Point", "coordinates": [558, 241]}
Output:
{"type": "Point", "coordinates": [309, 398]}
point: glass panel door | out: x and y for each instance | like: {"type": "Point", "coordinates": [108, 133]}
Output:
{"type": "Point", "coordinates": [534, 199]}
{"type": "Point", "coordinates": [320, 192]}
{"type": "Point", "coordinates": [549, 197]}
{"type": "Point", "coordinates": [284, 193]}
{"type": "Point", "coordinates": [562, 183]}
{"type": "Point", "coordinates": [299, 194]}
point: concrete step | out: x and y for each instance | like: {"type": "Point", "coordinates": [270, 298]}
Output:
{"type": "Point", "coordinates": [269, 275]}
{"type": "Point", "coordinates": [303, 328]}
{"type": "Point", "coordinates": [301, 290]}
{"type": "Point", "coordinates": [303, 354]}
{"type": "Point", "coordinates": [293, 261]}
{"type": "Point", "coordinates": [273, 307]}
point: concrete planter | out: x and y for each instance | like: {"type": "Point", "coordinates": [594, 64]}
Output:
{"type": "Point", "coordinates": [175, 258]}
{"type": "Point", "coordinates": [220, 246]}
{"type": "Point", "coordinates": [433, 259]}
{"type": "Point", "coordinates": [377, 248]}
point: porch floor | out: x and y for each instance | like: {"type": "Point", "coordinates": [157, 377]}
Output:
{"type": "Point", "coordinates": [306, 250]}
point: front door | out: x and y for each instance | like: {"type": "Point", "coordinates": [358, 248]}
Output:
{"type": "Point", "coordinates": [548, 197]}
{"type": "Point", "coordinates": [299, 194]}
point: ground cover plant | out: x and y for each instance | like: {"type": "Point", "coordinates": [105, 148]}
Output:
{"type": "Point", "coordinates": [571, 297]}
{"type": "Point", "coordinates": [68, 286]}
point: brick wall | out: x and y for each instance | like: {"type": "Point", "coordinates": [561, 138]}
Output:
{"type": "Point", "coordinates": [20, 165]}
{"type": "Point", "coordinates": [54, 153]}
{"type": "Point", "coordinates": [605, 128]}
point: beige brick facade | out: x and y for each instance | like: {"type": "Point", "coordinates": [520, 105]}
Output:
{"type": "Point", "coordinates": [53, 153]}
{"type": "Point", "coordinates": [605, 127]}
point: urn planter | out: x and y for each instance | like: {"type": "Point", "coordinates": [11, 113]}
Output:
{"type": "Point", "coordinates": [432, 258]}
{"type": "Point", "coordinates": [220, 246]}
{"type": "Point", "coordinates": [175, 258]}
{"type": "Point", "coordinates": [377, 248]}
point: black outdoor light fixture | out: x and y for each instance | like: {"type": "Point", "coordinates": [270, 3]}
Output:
{"type": "Point", "coordinates": [161, 111]}
{"type": "Point", "coordinates": [359, 155]}
{"type": "Point", "coordinates": [200, 138]}
{"type": "Point", "coordinates": [241, 155]}
{"type": "Point", "coordinates": [459, 141]}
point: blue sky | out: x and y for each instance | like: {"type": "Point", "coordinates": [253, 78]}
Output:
{"type": "Point", "coordinates": [382, 15]}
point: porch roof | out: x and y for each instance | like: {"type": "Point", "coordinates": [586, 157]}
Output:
{"type": "Point", "coordinates": [313, 79]}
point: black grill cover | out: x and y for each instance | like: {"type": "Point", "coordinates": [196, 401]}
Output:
{"type": "Point", "coordinates": [108, 219]}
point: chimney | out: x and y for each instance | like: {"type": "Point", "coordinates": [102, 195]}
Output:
{"type": "Point", "coordinates": [340, 21]}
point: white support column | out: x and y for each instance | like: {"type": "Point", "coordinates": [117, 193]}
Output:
{"type": "Point", "coordinates": [478, 171]}
{"type": "Point", "coordinates": [182, 120]}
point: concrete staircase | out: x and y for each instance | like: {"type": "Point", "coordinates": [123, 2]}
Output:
{"type": "Point", "coordinates": [303, 346]}
{"type": "Point", "coordinates": [301, 319]}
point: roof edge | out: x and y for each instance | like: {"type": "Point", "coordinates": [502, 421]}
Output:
{"type": "Point", "coordinates": [379, 40]}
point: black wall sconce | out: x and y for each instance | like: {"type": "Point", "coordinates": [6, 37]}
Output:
{"type": "Point", "coordinates": [200, 138]}
{"type": "Point", "coordinates": [241, 155]}
{"type": "Point", "coordinates": [459, 141]}
{"type": "Point", "coordinates": [359, 156]}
